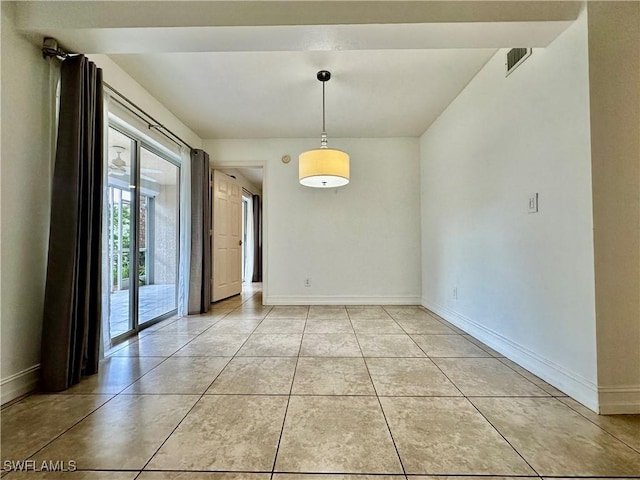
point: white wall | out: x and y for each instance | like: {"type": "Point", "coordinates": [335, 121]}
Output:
{"type": "Point", "coordinates": [525, 281]}
{"type": "Point", "coordinates": [25, 185]}
{"type": "Point", "coordinates": [359, 243]}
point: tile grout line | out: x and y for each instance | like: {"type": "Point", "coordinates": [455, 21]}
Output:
{"type": "Point", "coordinates": [306, 356]}
{"type": "Point", "coordinates": [499, 358]}
{"type": "Point", "coordinates": [94, 410]}
{"type": "Point", "coordinates": [482, 347]}
{"type": "Point", "coordinates": [334, 395]}
{"type": "Point", "coordinates": [196, 402]}
{"type": "Point", "coordinates": [546, 394]}
{"type": "Point", "coordinates": [201, 333]}
{"type": "Point", "coordinates": [468, 356]}
{"type": "Point", "coordinates": [395, 321]}
{"type": "Point", "coordinates": [138, 338]}
{"type": "Point", "coordinates": [113, 396]}
{"type": "Point", "coordinates": [182, 420]}
{"type": "Point", "coordinates": [286, 410]}
{"type": "Point", "coordinates": [478, 410]}
{"type": "Point", "coordinates": [524, 376]}
{"type": "Point", "coordinates": [151, 356]}
{"type": "Point", "coordinates": [141, 376]}
{"type": "Point", "coordinates": [468, 398]}
{"type": "Point", "coordinates": [505, 438]}
{"type": "Point", "coordinates": [375, 390]}
{"type": "Point", "coordinates": [438, 366]}
{"type": "Point", "coordinates": [72, 426]}
{"type": "Point", "coordinates": [243, 343]}
{"type": "Point", "coordinates": [594, 423]}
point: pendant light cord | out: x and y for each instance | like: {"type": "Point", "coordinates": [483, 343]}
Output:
{"type": "Point", "coordinates": [323, 122]}
{"type": "Point", "coordinates": [323, 76]}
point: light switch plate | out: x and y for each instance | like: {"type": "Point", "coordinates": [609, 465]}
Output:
{"type": "Point", "coordinates": [533, 203]}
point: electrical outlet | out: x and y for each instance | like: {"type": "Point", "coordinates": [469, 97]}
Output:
{"type": "Point", "coordinates": [307, 282]}
{"type": "Point", "coordinates": [455, 293]}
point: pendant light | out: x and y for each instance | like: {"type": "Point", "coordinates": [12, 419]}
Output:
{"type": "Point", "coordinates": [324, 167]}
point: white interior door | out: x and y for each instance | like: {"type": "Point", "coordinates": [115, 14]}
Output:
{"type": "Point", "coordinates": [227, 237]}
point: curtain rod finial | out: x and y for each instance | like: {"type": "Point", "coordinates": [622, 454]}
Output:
{"type": "Point", "coordinates": [50, 43]}
{"type": "Point", "coordinates": [50, 48]}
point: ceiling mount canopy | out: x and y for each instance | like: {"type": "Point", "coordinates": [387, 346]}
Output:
{"type": "Point", "coordinates": [324, 167]}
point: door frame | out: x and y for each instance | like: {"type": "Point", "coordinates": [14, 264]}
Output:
{"type": "Point", "coordinates": [265, 211]}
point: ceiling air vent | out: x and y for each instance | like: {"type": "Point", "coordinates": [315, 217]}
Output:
{"type": "Point", "coordinates": [515, 57]}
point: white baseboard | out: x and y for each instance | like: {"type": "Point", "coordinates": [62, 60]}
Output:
{"type": "Point", "coordinates": [619, 400]}
{"type": "Point", "coordinates": [574, 385]}
{"type": "Point", "coordinates": [339, 300]}
{"type": "Point", "coordinates": [18, 384]}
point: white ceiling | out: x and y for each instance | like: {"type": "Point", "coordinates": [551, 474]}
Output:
{"type": "Point", "coordinates": [247, 69]}
{"type": "Point", "coordinates": [372, 93]}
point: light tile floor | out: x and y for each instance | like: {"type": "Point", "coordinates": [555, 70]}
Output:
{"type": "Point", "coordinates": [249, 392]}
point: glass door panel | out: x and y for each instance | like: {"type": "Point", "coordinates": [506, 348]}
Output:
{"type": "Point", "coordinates": [120, 231]}
{"type": "Point", "coordinates": [158, 236]}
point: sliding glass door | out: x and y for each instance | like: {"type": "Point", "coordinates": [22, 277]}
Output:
{"type": "Point", "coordinates": [142, 222]}
{"type": "Point", "coordinates": [159, 217]}
{"type": "Point", "coordinates": [120, 234]}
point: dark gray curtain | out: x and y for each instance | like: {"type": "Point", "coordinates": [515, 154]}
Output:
{"type": "Point", "coordinates": [257, 239]}
{"type": "Point", "coordinates": [72, 305]}
{"type": "Point", "coordinates": [200, 276]}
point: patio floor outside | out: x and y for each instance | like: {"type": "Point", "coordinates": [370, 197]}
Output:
{"type": "Point", "coordinates": [154, 300]}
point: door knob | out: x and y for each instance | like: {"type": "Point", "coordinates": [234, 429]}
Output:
{"type": "Point", "coordinates": [239, 242]}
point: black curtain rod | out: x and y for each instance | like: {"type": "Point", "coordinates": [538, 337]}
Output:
{"type": "Point", "coordinates": [50, 48]}
{"type": "Point", "coordinates": [156, 125]}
